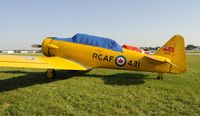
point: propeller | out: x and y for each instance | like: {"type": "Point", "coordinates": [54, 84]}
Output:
{"type": "Point", "coordinates": [36, 46]}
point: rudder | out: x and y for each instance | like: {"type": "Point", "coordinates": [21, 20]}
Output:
{"type": "Point", "coordinates": [174, 50]}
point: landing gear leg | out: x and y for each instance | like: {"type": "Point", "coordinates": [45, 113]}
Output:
{"type": "Point", "coordinates": [50, 73]}
{"type": "Point", "coordinates": [160, 76]}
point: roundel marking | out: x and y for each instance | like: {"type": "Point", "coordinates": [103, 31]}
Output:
{"type": "Point", "coordinates": [120, 61]}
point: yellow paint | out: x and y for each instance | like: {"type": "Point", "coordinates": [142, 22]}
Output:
{"type": "Point", "coordinates": [177, 57]}
{"type": "Point", "coordinates": [73, 56]}
{"type": "Point", "coordinates": [51, 46]}
{"type": "Point", "coordinates": [39, 62]}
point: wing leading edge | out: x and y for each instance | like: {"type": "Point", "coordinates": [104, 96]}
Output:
{"type": "Point", "coordinates": [39, 62]}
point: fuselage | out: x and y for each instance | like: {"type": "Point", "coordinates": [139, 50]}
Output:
{"type": "Point", "coordinates": [98, 57]}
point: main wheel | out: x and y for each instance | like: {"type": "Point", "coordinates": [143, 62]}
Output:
{"type": "Point", "coordinates": [50, 73]}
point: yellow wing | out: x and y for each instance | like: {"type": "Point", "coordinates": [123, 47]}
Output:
{"type": "Point", "coordinates": [39, 62]}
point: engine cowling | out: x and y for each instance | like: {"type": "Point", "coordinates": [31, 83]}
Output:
{"type": "Point", "coordinates": [45, 44]}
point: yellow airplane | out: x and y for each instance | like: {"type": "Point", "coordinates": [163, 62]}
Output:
{"type": "Point", "coordinates": [85, 52]}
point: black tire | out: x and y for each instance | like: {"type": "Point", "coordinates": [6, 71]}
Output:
{"type": "Point", "coordinates": [50, 73]}
{"type": "Point", "coordinates": [159, 78]}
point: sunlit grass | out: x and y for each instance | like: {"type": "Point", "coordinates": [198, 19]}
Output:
{"type": "Point", "coordinates": [100, 92]}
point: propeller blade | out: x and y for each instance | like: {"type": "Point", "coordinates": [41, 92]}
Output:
{"type": "Point", "coordinates": [36, 46]}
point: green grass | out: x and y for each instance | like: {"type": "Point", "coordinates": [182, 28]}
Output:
{"type": "Point", "coordinates": [192, 51]}
{"type": "Point", "coordinates": [100, 92]}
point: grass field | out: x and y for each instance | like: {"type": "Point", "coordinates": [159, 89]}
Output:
{"type": "Point", "coordinates": [100, 92]}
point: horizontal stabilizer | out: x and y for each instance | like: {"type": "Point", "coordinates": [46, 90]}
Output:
{"type": "Point", "coordinates": [160, 59]}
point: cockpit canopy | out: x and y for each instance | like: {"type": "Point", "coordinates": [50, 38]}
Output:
{"type": "Point", "coordinates": [93, 41]}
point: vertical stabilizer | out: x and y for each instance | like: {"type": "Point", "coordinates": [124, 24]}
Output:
{"type": "Point", "coordinates": [174, 50]}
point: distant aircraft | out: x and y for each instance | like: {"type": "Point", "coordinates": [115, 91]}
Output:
{"type": "Point", "coordinates": [85, 52]}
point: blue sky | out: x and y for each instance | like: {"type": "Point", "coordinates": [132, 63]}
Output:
{"type": "Point", "coordinates": [133, 22]}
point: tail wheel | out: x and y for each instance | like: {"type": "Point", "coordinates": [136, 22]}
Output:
{"type": "Point", "coordinates": [50, 73]}
{"type": "Point", "coordinates": [160, 76]}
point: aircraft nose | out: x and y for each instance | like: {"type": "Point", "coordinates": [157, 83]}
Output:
{"type": "Point", "coordinates": [45, 43]}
